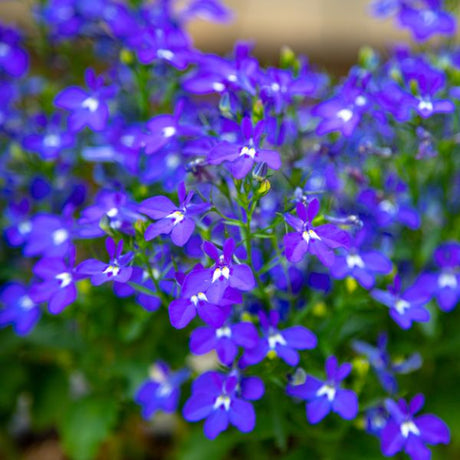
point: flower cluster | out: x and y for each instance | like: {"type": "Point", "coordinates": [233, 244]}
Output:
{"type": "Point", "coordinates": [233, 200]}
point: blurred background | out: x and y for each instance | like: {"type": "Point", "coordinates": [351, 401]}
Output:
{"type": "Point", "coordinates": [330, 32]}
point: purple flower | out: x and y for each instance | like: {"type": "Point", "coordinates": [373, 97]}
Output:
{"type": "Point", "coordinates": [20, 225]}
{"type": "Point", "coordinates": [343, 112]}
{"type": "Point", "coordinates": [405, 432]}
{"type": "Point", "coordinates": [225, 273]}
{"type": "Point", "coordinates": [242, 155]}
{"type": "Point", "coordinates": [325, 396]}
{"type": "Point", "coordinates": [282, 343]}
{"type": "Point", "coordinates": [111, 208]}
{"type": "Point", "coordinates": [58, 286]}
{"type": "Point", "coordinates": [88, 108]}
{"type": "Point", "coordinates": [20, 310]}
{"type": "Point", "coordinates": [196, 297]}
{"type": "Point", "coordinates": [116, 270]}
{"type": "Point", "coordinates": [426, 21]}
{"type": "Point", "coordinates": [361, 265]}
{"type": "Point", "coordinates": [222, 400]}
{"type": "Point", "coordinates": [51, 141]}
{"type": "Point", "coordinates": [380, 361]}
{"type": "Point", "coordinates": [49, 235]}
{"type": "Point", "coordinates": [13, 59]}
{"type": "Point", "coordinates": [161, 391]}
{"type": "Point", "coordinates": [319, 241]}
{"type": "Point", "coordinates": [444, 285]}
{"type": "Point", "coordinates": [225, 340]}
{"type": "Point", "coordinates": [404, 307]}
{"type": "Point", "coordinates": [172, 219]}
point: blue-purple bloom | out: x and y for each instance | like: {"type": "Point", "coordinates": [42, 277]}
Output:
{"type": "Point", "coordinates": [171, 218]}
{"type": "Point", "coordinates": [404, 432]}
{"type": "Point", "coordinates": [13, 59]}
{"type": "Point", "coordinates": [58, 286]}
{"type": "Point", "coordinates": [223, 400]}
{"type": "Point", "coordinates": [87, 107]}
{"type": "Point", "coordinates": [19, 310]}
{"type": "Point", "coordinates": [405, 307]}
{"type": "Point", "coordinates": [117, 269]}
{"type": "Point", "coordinates": [161, 390]}
{"type": "Point", "coordinates": [380, 361]}
{"type": "Point", "coordinates": [225, 340]}
{"type": "Point", "coordinates": [282, 343]}
{"type": "Point", "coordinates": [319, 241]}
{"type": "Point", "coordinates": [326, 396]}
{"type": "Point", "coordinates": [243, 154]}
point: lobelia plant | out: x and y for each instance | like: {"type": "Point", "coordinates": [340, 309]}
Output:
{"type": "Point", "coordinates": [236, 226]}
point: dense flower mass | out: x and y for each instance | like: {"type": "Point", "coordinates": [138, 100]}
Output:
{"type": "Point", "coordinates": [183, 206]}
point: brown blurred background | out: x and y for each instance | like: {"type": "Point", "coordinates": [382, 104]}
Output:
{"type": "Point", "coordinates": [330, 32]}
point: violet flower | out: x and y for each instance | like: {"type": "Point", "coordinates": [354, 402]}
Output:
{"type": "Point", "coordinates": [196, 298]}
{"type": "Point", "coordinates": [221, 401]}
{"type": "Point", "coordinates": [319, 241]}
{"type": "Point", "coordinates": [161, 391]}
{"type": "Point", "coordinates": [404, 432]}
{"type": "Point", "coordinates": [225, 340]}
{"type": "Point", "coordinates": [58, 285]}
{"type": "Point", "coordinates": [361, 265]}
{"type": "Point", "coordinates": [13, 59]}
{"type": "Point", "coordinates": [88, 108]}
{"type": "Point", "coordinates": [244, 154]}
{"type": "Point", "coordinates": [324, 397]}
{"type": "Point", "coordinates": [380, 361]}
{"type": "Point", "coordinates": [117, 269]}
{"type": "Point", "coordinates": [20, 310]}
{"type": "Point", "coordinates": [225, 273]}
{"type": "Point", "coordinates": [406, 307]}
{"type": "Point", "coordinates": [282, 343]}
{"type": "Point", "coordinates": [172, 219]}
{"type": "Point", "coordinates": [444, 285]}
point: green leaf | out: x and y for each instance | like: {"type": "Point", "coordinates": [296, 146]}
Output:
{"type": "Point", "coordinates": [85, 425]}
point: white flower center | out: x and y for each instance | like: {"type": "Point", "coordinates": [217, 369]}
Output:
{"type": "Point", "coordinates": [275, 339]}
{"type": "Point", "coordinates": [25, 302]}
{"type": "Point", "coordinates": [428, 17]}
{"type": "Point", "coordinates": [275, 86]}
{"type": "Point", "coordinates": [172, 161]}
{"type": "Point", "coordinates": [218, 86]}
{"type": "Point", "coordinates": [409, 427]}
{"type": "Point", "coordinates": [447, 280]}
{"type": "Point", "coordinates": [51, 140]}
{"type": "Point", "coordinates": [59, 236]}
{"type": "Point", "coordinates": [387, 206]}
{"type": "Point", "coordinates": [176, 216]}
{"type": "Point", "coordinates": [345, 115]}
{"type": "Point", "coordinates": [327, 390]}
{"type": "Point", "coordinates": [401, 306]}
{"type": "Point", "coordinates": [308, 235]}
{"type": "Point", "coordinates": [24, 227]}
{"type": "Point", "coordinates": [222, 400]}
{"type": "Point", "coordinates": [223, 332]}
{"type": "Point", "coordinates": [425, 105]}
{"type": "Point", "coordinates": [165, 54]}
{"type": "Point", "coordinates": [4, 49]}
{"type": "Point", "coordinates": [168, 131]}
{"type": "Point", "coordinates": [112, 270]}
{"type": "Point", "coordinates": [164, 390]}
{"type": "Point", "coordinates": [232, 77]}
{"type": "Point", "coordinates": [196, 298]}
{"type": "Point", "coordinates": [112, 212]}
{"type": "Point", "coordinates": [248, 151]}
{"type": "Point", "coordinates": [360, 101]}
{"type": "Point", "coordinates": [65, 278]}
{"type": "Point", "coordinates": [90, 103]}
{"type": "Point", "coordinates": [354, 260]}
{"type": "Point", "coordinates": [218, 272]}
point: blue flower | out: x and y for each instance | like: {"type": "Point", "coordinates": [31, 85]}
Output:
{"type": "Point", "coordinates": [324, 397]}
